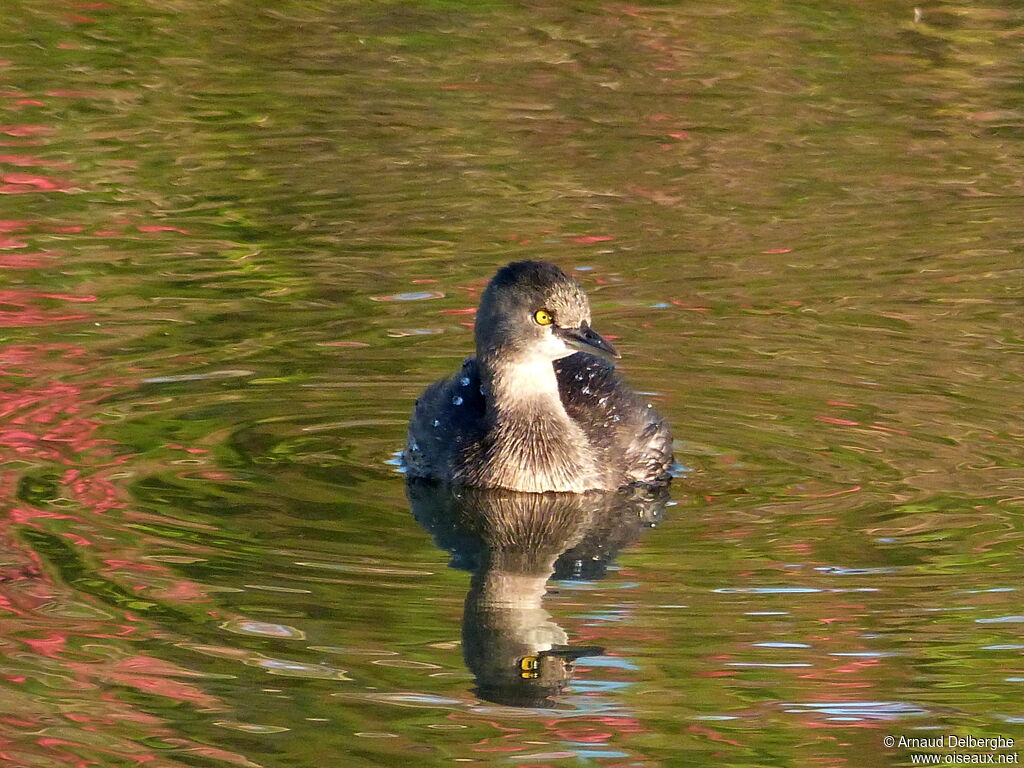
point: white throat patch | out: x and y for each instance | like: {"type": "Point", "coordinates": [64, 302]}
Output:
{"type": "Point", "coordinates": [530, 379]}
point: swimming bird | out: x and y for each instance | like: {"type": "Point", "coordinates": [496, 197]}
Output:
{"type": "Point", "coordinates": [531, 413]}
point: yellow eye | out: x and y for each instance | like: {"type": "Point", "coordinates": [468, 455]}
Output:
{"type": "Point", "coordinates": [543, 317]}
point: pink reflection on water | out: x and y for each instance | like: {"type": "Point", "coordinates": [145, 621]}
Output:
{"type": "Point", "coordinates": [18, 183]}
{"type": "Point", "coordinates": [589, 239]}
{"type": "Point", "coordinates": [24, 161]}
{"type": "Point", "coordinates": [47, 421]}
{"type": "Point", "coordinates": [18, 309]}
{"type": "Point", "coordinates": [27, 130]}
{"type": "Point", "coordinates": [149, 675]}
{"type": "Point", "coordinates": [160, 228]}
{"type": "Point", "coordinates": [68, 488]}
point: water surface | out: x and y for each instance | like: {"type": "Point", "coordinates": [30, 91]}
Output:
{"type": "Point", "coordinates": [237, 239]}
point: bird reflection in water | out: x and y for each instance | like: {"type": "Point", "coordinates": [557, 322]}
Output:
{"type": "Point", "coordinates": [513, 543]}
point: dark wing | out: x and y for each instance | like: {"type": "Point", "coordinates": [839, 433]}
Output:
{"type": "Point", "coordinates": [615, 419]}
{"type": "Point", "coordinates": [651, 452]}
{"type": "Point", "coordinates": [447, 415]}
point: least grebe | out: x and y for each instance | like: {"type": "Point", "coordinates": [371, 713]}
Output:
{"type": "Point", "coordinates": [529, 412]}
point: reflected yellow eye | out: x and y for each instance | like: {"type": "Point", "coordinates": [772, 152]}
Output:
{"type": "Point", "coordinates": [528, 667]}
{"type": "Point", "coordinates": [543, 317]}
